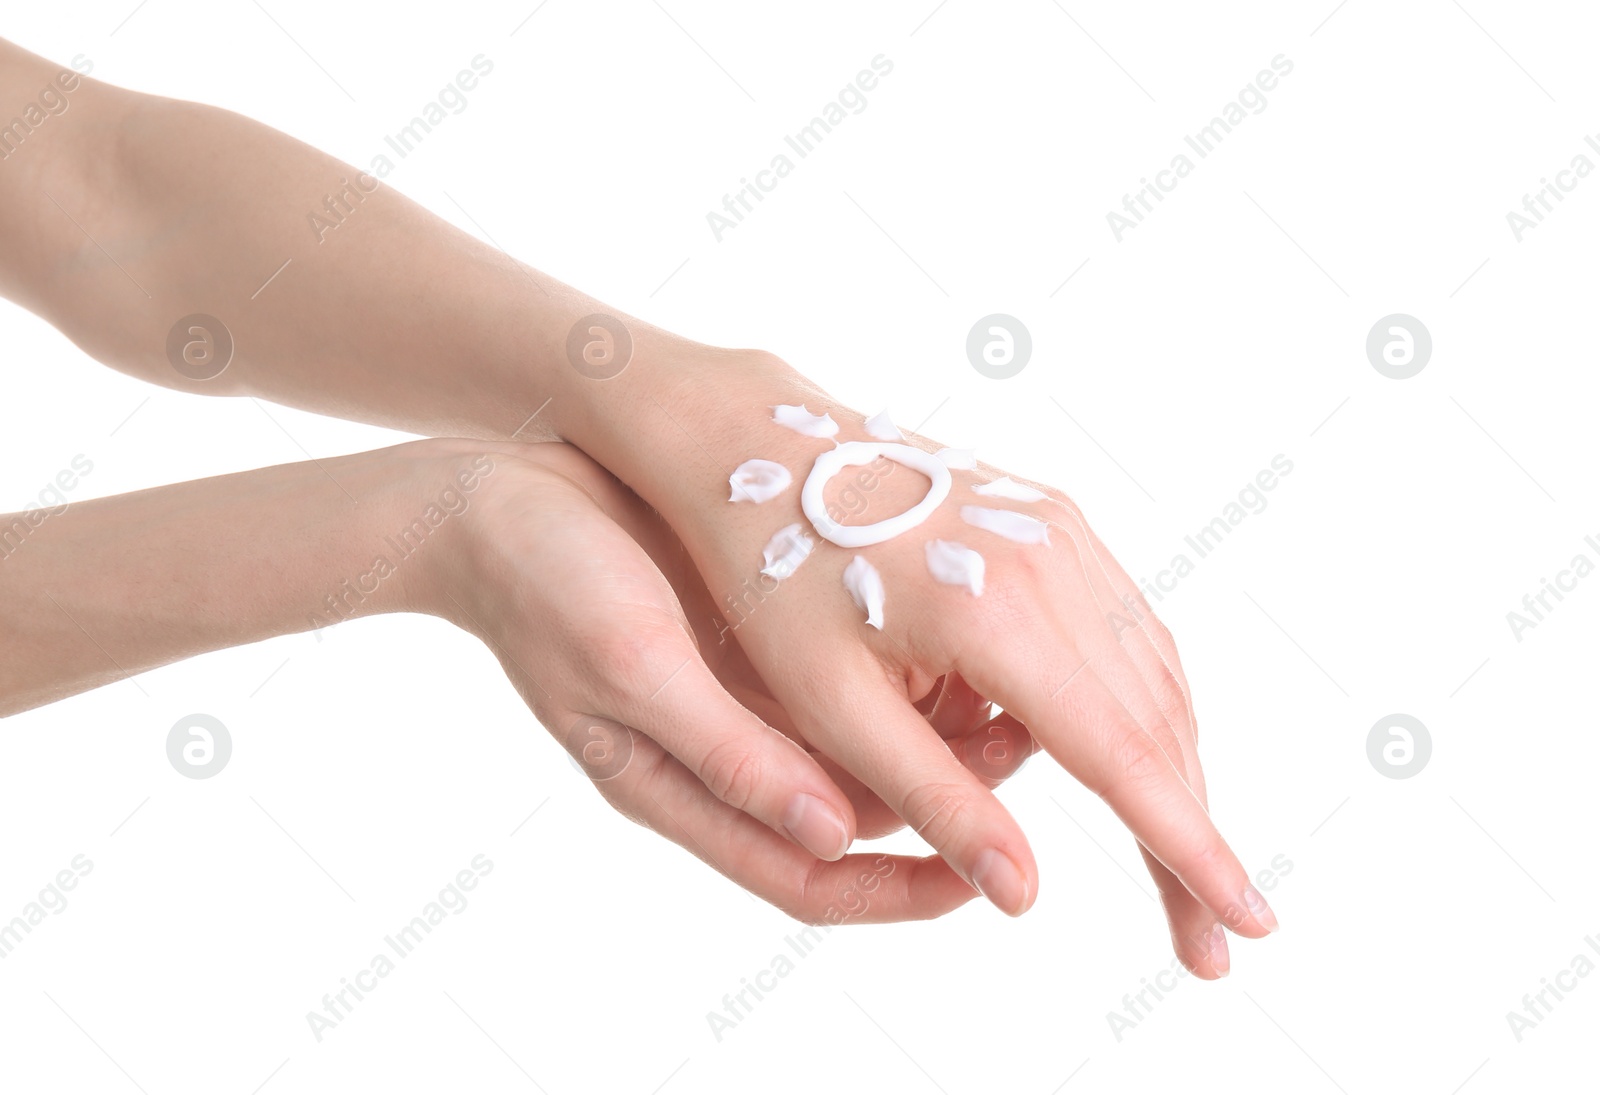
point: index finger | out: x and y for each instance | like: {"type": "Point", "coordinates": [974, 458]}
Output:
{"type": "Point", "coordinates": [1080, 723]}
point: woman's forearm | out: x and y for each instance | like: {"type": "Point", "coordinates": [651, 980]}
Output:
{"type": "Point", "coordinates": [127, 213]}
{"type": "Point", "coordinates": [198, 249]}
{"type": "Point", "coordinates": [133, 214]}
{"type": "Point", "coordinates": [101, 590]}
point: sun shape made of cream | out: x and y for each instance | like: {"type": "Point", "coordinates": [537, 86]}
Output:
{"type": "Point", "coordinates": [949, 562]}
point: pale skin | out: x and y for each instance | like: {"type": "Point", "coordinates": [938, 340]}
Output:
{"type": "Point", "coordinates": [538, 552]}
{"type": "Point", "coordinates": [126, 212]}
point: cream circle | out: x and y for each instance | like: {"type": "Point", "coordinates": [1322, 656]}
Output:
{"type": "Point", "coordinates": [852, 454]}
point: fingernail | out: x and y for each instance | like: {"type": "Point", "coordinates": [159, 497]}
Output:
{"type": "Point", "coordinates": [1219, 951]}
{"type": "Point", "coordinates": [816, 826]}
{"type": "Point", "coordinates": [1260, 909]}
{"type": "Point", "coordinates": [998, 879]}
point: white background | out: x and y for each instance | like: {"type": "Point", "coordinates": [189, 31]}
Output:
{"type": "Point", "coordinates": [370, 767]}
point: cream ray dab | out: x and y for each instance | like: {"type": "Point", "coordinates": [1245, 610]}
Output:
{"type": "Point", "coordinates": [882, 427]}
{"type": "Point", "coordinates": [1009, 489]}
{"type": "Point", "coordinates": [758, 481]}
{"type": "Point", "coordinates": [803, 421]}
{"type": "Point", "coordinates": [865, 586]}
{"type": "Point", "coordinates": [788, 548]}
{"type": "Point", "coordinates": [955, 564]}
{"type": "Point", "coordinates": [1008, 523]}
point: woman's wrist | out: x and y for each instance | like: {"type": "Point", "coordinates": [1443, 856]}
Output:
{"type": "Point", "coordinates": [404, 548]}
{"type": "Point", "coordinates": [97, 591]}
{"type": "Point", "coordinates": [676, 422]}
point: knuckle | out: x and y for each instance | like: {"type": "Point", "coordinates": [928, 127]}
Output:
{"type": "Point", "coordinates": [1006, 610]}
{"type": "Point", "coordinates": [627, 796]}
{"type": "Point", "coordinates": [940, 813]}
{"type": "Point", "coordinates": [1208, 857]}
{"type": "Point", "coordinates": [763, 360]}
{"type": "Point", "coordinates": [825, 895]}
{"type": "Point", "coordinates": [1140, 761]}
{"type": "Point", "coordinates": [806, 902]}
{"type": "Point", "coordinates": [1069, 508]}
{"type": "Point", "coordinates": [733, 772]}
{"type": "Point", "coordinates": [1170, 698]}
{"type": "Point", "coordinates": [1020, 565]}
{"type": "Point", "coordinates": [625, 657]}
{"type": "Point", "coordinates": [1159, 634]}
{"type": "Point", "coordinates": [1209, 864]}
{"type": "Point", "coordinates": [633, 661]}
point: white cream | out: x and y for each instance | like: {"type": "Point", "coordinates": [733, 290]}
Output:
{"type": "Point", "coordinates": [1008, 523]}
{"type": "Point", "coordinates": [955, 565]}
{"type": "Point", "coordinates": [758, 481]}
{"type": "Point", "coordinates": [865, 586]}
{"type": "Point", "coordinates": [959, 459]}
{"type": "Point", "coordinates": [852, 454]}
{"type": "Point", "coordinates": [1009, 489]}
{"type": "Point", "coordinates": [803, 421]}
{"type": "Point", "coordinates": [882, 427]}
{"type": "Point", "coordinates": [788, 548]}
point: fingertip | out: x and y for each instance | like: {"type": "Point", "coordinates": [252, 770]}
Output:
{"type": "Point", "coordinates": [998, 877]}
{"type": "Point", "coordinates": [1260, 909]}
{"type": "Point", "coordinates": [1218, 953]}
{"type": "Point", "coordinates": [1255, 920]}
{"type": "Point", "coordinates": [816, 826]}
{"type": "Point", "coordinates": [1204, 954]}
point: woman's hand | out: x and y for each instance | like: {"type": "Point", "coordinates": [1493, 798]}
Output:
{"type": "Point", "coordinates": [407, 322]}
{"type": "Point", "coordinates": [519, 543]}
{"type": "Point", "coordinates": [1060, 638]}
{"type": "Point", "coordinates": [570, 579]}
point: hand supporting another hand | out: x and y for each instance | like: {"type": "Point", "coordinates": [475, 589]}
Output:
{"type": "Point", "coordinates": [582, 593]}
{"type": "Point", "coordinates": [408, 322]}
{"type": "Point", "coordinates": [536, 550]}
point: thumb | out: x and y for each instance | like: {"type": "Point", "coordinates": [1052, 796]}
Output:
{"type": "Point", "coordinates": [741, 760]}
